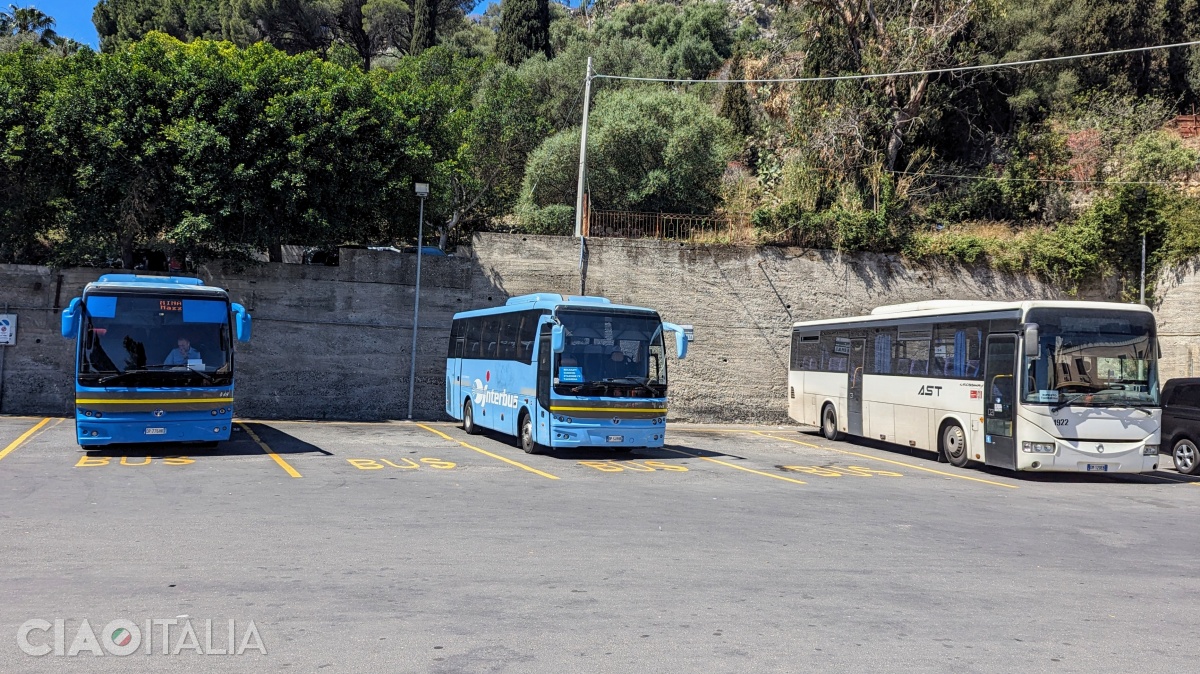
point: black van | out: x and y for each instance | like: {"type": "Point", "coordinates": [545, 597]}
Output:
{"type": "Point", "coordinates": [1181, 423]}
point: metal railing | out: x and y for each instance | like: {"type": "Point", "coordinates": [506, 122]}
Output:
{"type": "Point", "coordinates": [677, 226]}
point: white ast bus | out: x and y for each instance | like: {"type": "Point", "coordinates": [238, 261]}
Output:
{"type": "Point", "coordinates": [1050, 386]}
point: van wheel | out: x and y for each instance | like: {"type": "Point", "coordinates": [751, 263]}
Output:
{"type": "Point", "coordinates": [829, 425]}
{"type": "Point", "coordinates": [954, 445]}
{"type": "Point", "coordinates": [1186, 458]}
{"type": "Point", "coordinates": [469, 419]}
{"type": "Point", "coordinates": [527, 443]}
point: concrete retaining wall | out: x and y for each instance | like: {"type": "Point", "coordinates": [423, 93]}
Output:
{"type": "Point", "coordinates": [333, 342]}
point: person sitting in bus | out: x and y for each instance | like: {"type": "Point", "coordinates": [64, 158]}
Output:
{"type": "Point", "coordinates": [618, 365]}
{"type": "Point", "coordinates": [181, 355]}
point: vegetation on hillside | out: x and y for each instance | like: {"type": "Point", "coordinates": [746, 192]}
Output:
{"type": "Point", "coordinates": [217, 127]}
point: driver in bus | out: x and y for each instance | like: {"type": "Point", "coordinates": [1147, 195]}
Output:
{"type": "Point", "coordinates": [181, 355]}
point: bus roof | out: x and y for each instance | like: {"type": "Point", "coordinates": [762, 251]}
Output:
{"type": "Point", "coordinates": [938, 308]}
{"type": "Point", "coordinates": [145, 282]}
{"type": "Point", "coordinates": [550, 302]}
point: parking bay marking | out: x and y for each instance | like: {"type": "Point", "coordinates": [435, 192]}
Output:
{"type": "Point", "coordinates": [25, 436]}
{"type": "Point", "coordinates": [648, 466]}
{"type": "Point", "coordinates": [278, 459]}
{"type": "Point", "coordinates": [377, 464]}
{"type": "Point", "coordinates": [725, 463]}
{"type": "Point", "coordinates": [518, 464]}
{"type": "Point", "coordinates": [96, 461]}
{"type": "Point", "coordinates": [839, 471]}
{"type": "Point", "coordinates": [876, 458]}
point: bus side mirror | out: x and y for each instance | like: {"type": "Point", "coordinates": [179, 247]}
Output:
{"type": "Point", "coordinates": [70, 319]}
{"type": "Point", "coordinates": [1031, 338]}
{"type": "Point", "coordinates": [682, 338]}
{"type": "Point", "coordinates": [241, 323]}
{"type": "Point", "coordinates": [556, 339]}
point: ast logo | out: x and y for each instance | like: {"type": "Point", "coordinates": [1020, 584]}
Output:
{"type": "Point", "coordinates": [931, 391]}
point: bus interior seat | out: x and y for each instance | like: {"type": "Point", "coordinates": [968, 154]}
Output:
{"type": "Point", "coordinates": [919, 367]}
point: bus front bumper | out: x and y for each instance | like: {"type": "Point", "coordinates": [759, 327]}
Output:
{"type": "Point", "coordinates": [92, 432]}
{"type": "Point", "coordinates": [1092, 457]}
{"type": "Point", "coordinates": [604, 433]}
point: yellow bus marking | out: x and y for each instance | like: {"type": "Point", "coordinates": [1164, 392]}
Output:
{"type": "Point", "coordinates": [616, 410]}
{"type": "Point", "coordinates": [518, 464]}
{"type": "Point", "coordinates": [24, 436]}
{"type": "Point", "coordinates": [898, 463]}
{"type": "Point", "coordinates": [164, 401]}
{"type": "Point", "coordinates": [278, 459]}
{"type": "Point", "coordinates": [748, 470]}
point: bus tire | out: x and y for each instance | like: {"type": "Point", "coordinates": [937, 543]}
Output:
{"type": "Point", "coordinates": [954, 444]}
{"type": "Point", "coordinates": [528, 444]}
{"type": "Point", "coordinates": [829, 423]}
{"type": "Point", "coordinates": [469, 419]}
{"type": "Point", "coordinates": [1187, 460]}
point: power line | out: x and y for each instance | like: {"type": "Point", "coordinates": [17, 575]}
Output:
{"type": "Point", "coordinates": [1064, 181]}
{"type": "Point", "coordinates": [932, 71]}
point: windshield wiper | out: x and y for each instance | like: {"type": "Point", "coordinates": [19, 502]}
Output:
{"type": "Point", "coordinates": [643, 382]}
{"type": "Point", "coordinates": [1069, 400]}
{"type": "Point", "coordinates": [119, 375]}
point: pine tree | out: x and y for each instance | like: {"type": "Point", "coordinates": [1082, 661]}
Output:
{"type": "Point", "coordinates": [424, 27]}
{"type": "Point", "coordinates": [524, 30]}
{"type": "Point", "coordinates": [735, 104]}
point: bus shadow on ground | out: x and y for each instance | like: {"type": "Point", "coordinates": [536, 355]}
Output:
{"type": "Point", "coordinates": [239, 444]}
{"type": "Point", "coordinates": [1162, 476]}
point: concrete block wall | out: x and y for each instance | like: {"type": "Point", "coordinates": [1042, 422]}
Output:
{"type": "Point", "coordinates": [334, 342]}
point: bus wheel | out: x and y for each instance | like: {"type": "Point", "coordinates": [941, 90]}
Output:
{"type": "Point", "coordinates": [829, 423]}
{"type": "Point", "coordinates": [954, 445]}
{"type": "Point", "coordinates": [469, 419]}
{"type": "Point", "coordinates": [527, 443]}
{"type": "Point", "coordinates": [1185, 455]}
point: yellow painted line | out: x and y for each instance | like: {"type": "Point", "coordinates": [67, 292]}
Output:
{"type": "Point", "coordinates": [278, 459]}
{"type": "Point", "coordinates": [164, 401]}
{"type": "Point", "coordinates": [518, 464]}
{"type": "Point", "coordinates": [731, 465]}
{"type": "Point", "coordinates": [24, 436]}
{"type": "Point", "coordinates": [898, 463]}
{"type": "Point", "coordinates": [618, 410]}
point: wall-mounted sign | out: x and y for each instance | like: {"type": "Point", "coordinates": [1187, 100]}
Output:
{"type": "Point", "coordinates": [8, 329]}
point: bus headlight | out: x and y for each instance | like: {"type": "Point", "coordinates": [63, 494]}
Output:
{"type": "Point", "coordinates": [1037, 447]}
{"type": "Point", "coordinates": [1150, 450]}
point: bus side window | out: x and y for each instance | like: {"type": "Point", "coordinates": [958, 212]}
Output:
{"type": "Point", "coordinates": [474, 343]}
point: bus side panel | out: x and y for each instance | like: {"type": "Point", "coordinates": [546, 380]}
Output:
{"type": "Point", "coordinates": [921, 405]}
{"type": "Point", "coordinates": [453, 396]}
{"type": "Point", "coordinates": [827, 387]}
{"type": "Point", "coordinates": [498, 389]}
{"type": "Point", "coordinates": [797, 401]}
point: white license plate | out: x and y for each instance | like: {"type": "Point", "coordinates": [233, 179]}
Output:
{"type": "Point", "coordinates": [616, 438]}
{"type": "Point", "coordinates": [156, 431]}
{"type": "Point", "coordinates": [1102, 467]}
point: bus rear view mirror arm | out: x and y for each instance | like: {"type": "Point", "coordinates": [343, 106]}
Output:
{"type": "Point", "coordinates": [681, 338]}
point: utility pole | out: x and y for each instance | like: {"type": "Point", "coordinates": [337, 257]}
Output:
{"type": "Point", "coordinates": [579, 196]}
{"type": "Point", "coordinates": [422, 190]}
{"type": "Point", "coordinates": [1142, 294]}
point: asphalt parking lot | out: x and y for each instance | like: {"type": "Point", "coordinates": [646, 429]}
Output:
{"type": "Point", "coordinates": [417, 548]}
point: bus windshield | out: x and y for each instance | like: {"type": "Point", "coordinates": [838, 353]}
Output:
{"type": "Point", "coordinates": [1097, 358]}
{"type": "Point", "coordinates": [611, 353]}
{"type": "Point", "coordinates": [155, 340]}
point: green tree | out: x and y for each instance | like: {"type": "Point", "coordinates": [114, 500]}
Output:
{"type": "Point", "coordinates": [735, 103]}
{"type": "Point", "coordinates": [649, 150]}
{"type": "Point", "coordinates": [424, 26]}
{"type": "Point", "coordinates": [32, 22]}
{"type": "Point", "coordinates": [524, 30]}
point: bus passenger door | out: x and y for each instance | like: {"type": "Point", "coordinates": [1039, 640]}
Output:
{"type": "Point", "coordinates": [455, 393]}
{"type": "Point", "coordinates": [545, 356]}
{"type": "Point", "coordinates": [854, 392]}
{"type": "Point", "coordinates": [999, 394]}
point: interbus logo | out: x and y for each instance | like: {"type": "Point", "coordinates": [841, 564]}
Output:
{"type": "Point", "coordinates": [483, 397]}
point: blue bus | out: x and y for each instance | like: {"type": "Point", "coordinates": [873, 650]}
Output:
{"type": "Point", "coordinates": [560, 371]}
{"type": "Point", "coordinates": [154, 360]}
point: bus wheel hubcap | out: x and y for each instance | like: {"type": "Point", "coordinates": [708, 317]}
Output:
{"type": "Point", "coordinates": [953, 441]}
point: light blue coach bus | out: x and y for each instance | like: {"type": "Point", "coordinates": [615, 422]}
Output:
{"type": "Point", "coordinates": [154, 360]}
{"type": "Point", "coordinates": [560, 371]}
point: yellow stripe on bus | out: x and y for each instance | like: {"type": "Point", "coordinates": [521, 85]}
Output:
{"type": "Point", "coordinates": [609, 409]}
{"type": "Point", "coordinates": [134, 401]}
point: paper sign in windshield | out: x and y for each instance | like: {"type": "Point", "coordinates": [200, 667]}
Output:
{"type": "Point", "coordinates": [1047, 396]}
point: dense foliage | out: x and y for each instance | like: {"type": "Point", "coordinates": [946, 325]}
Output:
{"type": "Point", "coordinates": [218, 127]}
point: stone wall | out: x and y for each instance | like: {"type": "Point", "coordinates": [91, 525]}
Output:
{"type": "Point", "coordinates": [334, 342]}
{"type": "Point", "coordinates": [1178, 298]}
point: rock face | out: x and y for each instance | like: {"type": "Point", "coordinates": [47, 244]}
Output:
{"type": "Point", "coordinates": [1178, 291]}
{"type": "Point", "coordinates": [334, 342]}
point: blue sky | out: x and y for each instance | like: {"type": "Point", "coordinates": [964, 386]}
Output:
{"type": "Point", "coordinates": [74, 17]}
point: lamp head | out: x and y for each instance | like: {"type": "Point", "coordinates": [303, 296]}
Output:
{"type": "Point", "coordinates": [422, 189]}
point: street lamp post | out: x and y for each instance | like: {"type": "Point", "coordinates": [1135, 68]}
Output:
{"type": "Point", "coordinates": [422, 190]}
